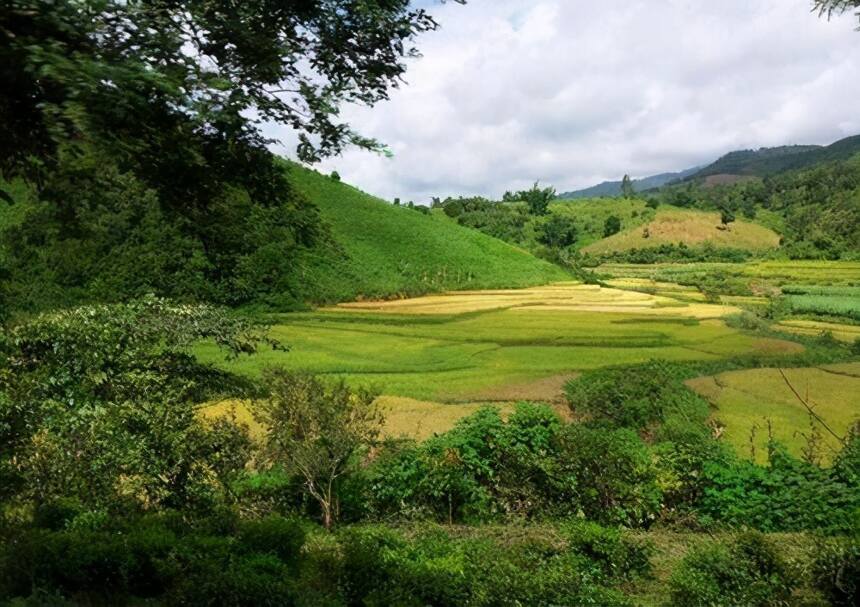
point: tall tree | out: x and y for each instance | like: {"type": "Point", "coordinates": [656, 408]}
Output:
{"type": "Point", "coordinates": [627, 187]}
{"type": "Point", "coordinates": [537, 198]}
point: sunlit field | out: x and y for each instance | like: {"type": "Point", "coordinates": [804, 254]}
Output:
{"type": "Point", "coordinates": [750, 398]}
{"type": "Point", "coordinates": [439, 355]}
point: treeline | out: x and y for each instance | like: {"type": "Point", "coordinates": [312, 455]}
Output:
{"type": "Point", "coordinates": [522, 219]}
{"type": "Point", "coordinates": [115, 487]}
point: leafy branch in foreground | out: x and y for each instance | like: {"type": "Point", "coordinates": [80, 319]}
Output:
{"type": "Point", "coordinates": [99, 71]}
{"type": "Point", "coordinates": [829, 8]}
{"type": "Point", "coordinates": [97, 405]}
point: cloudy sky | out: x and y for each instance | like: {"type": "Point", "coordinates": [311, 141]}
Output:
{"type": "Point", "coordinates": [573, 92]}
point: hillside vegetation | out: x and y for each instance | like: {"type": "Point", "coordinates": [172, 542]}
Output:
{"type": "Point", "coordinates": [389, 250]}
{"type": "Point", "coordinates": [326, 242]}
{"type": "Point", "coordinates": [770, 161]}
{"type": "Point", "coordinates": [674, 226]}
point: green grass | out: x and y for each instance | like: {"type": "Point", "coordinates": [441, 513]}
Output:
{"type": "Point", "coordinates": [388, 251]}
{"type": "Point", "coordinates": [690, 227]}
{"type": "Point", "coordinates": [465, 357]}
{"type": "Point", "coordinates": [744, 399]}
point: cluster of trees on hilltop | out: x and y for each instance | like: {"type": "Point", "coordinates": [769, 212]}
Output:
{"type": "Point", "coordinates": [521, 218]}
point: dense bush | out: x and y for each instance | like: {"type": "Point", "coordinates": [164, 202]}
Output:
{"type": "Point", "coordinates": [636, 397]}
{"type": "Point", "coordinates": [786, 495]}
{"type": "Point", "coordinates": [248, 563]}
{"type": "Point", "coordinates": [484, 467]}
{"type": "Point", "coordinates": [533, 465]}
{"type": "Point", "coordinates": [382, 567]}
{"type": "Point", "coordinates": [747, 571]}
{"type": "Point", "coordinates": [615, 477]}
{"type": "Point", "coordinates": [836, 571]}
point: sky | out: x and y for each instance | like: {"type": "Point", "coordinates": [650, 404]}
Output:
{"type": "Point", "coordinates": [574, 92]}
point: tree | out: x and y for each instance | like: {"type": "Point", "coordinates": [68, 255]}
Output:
{"type": "Point", "coordinates": [537, 198]}
{"type": "Point", "coordinates": [316, 431]}
{"type": "Point", "coordinates": [611, 226]}
{"type": "Point", "coordinates": [97, 405]}
{"type": "Point", "coordinates": [112, 74]}
{"type": "Point", "coordinates": [726, 217]}
{"type": "Point", "coordinates": [558, 232]}
{"type": "Point", "coordinates": [627, 187]}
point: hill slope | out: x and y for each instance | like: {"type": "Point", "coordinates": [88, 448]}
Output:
{"type": "Point", "coordinates": [383, 251]}
{"type": "Point", "coordinates": [673, 226]}
{"type": "Point", "coordinates": [613, 188]}
{"type": "Point", "coordinates": [770, 161]}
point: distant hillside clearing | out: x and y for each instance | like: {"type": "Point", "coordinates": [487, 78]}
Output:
{"type": "Point", "coordinates": [674, 226]}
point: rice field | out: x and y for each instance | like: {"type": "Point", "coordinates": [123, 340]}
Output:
{"type": "Point", "coordinates": [434, 357]}
{"type": "Point", "coordinates": [815, 328]}
{"type": "Point", "coordinates": [745, 401]}
{"type": "Point", "coordinates": [765, 273]}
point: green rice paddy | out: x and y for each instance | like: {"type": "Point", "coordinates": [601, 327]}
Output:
{"type": "Point", "coordinates": [420, 349]}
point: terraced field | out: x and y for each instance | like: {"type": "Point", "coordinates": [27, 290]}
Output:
{"type": "Point", "coordinates": [445, 353]}
{"type": "Point", "coordinates": [744, 399]}
{"type": "Point", "coordinates": [776, 273]}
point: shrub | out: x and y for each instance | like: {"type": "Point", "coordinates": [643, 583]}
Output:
{"type": "Point", "coordinates": [747, 571]}
{"type": "Point", "coordinates": [635, 397]}
{"type": "Point", "coordinates": [615, 479]}
{"type": "Point", "coordinates": [786, 495]}
{"type": "Point", "coordinates": [384, 567]}
{"type": "Point", "coordinates": [836, 571]}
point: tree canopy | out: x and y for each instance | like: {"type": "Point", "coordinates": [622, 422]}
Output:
{"type": "Point", "coordinates": [142, 78]}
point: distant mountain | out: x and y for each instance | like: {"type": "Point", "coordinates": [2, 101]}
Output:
{"type": "Point", "coordinates": [770, 161]}
{"type": "Point", "coordinates": [734, 166]}
{"type": "Point", "coordinates": [613, 188]}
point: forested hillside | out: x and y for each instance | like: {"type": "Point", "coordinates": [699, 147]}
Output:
{"type": "Point", "coordinates": [770, 161]}
{"type": "Point", "coordinates": [329, 242]}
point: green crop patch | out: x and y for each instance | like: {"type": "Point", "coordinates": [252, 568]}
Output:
{"type": "Point", "coordinates": [428, 353]}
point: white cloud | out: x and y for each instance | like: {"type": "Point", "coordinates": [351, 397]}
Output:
{"type": "Point", "coordinates": [573, 92]}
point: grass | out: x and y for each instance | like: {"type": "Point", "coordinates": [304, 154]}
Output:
{"type": "Point", "coordinates": [748, 398]}
{"type": "Point", "coordinates": [674, 226]}
{"type": "Point", "coordinates": [383, 251]}
{"type": "Point", "coordinates": [590, 215]}
{"type": "Point", "coordinates": [442, 354]}
{"type": "Point", "coordinates": [671, 546]}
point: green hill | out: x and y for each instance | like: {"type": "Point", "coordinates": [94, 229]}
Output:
{"type": "Point", "coordinates": [382, 250]}
{"type": "Point", "coordinates": [771, 161]}
{"type": "Point", "coordinates": [690, 227]}
{"type": "Point", "coordinates": [368, 249]}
